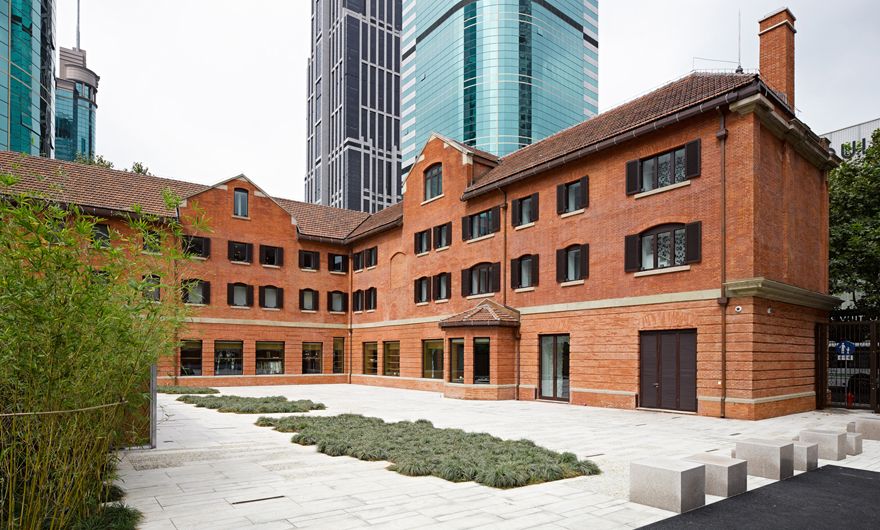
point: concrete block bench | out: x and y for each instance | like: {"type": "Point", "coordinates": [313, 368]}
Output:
{"type": "Point", "coordinates": [668, 484]}
{"type": "Point", "coordinates": [725, 477]}
{"type": "Point", "coordinates": [869, 428]}
{"type": "Point", "coordinates": [854, 443]}
{"type": "Point", "coordinates": [806, 456]}
{"type": "Point", "coordinates": [772, 459]}
{"type": "Point", "coordinates": [832, 444]}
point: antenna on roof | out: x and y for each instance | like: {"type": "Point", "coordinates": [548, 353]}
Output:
{"type": "Point", "coordinates": [77, 24]}
{"type": "Point", "coordinates": [739, 69]}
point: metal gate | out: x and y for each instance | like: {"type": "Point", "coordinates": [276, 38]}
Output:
{"type": "Point", "coordinates": [848, 364]}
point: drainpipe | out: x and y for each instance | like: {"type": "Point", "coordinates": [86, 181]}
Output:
{"type": "Point", "coordinates": [350, 316]}
{"type": "Point", "coordinates": [721, 135]}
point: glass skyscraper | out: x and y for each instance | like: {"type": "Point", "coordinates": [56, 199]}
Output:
{"type": "Point", "coordinates": [353, 119]}
{"type": "Point", "coordinates": [76, 90]}
{"type": "Point", "coordinates": [496, 74]}
{"type": "Point", "coordinates": [27, 76]}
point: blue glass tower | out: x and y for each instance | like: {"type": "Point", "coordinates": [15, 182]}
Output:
{"type": "Point", "coordinates": [76, 90]}
{"type": "Point", "coordinates": [27, 76]}
{"type": "Point", "coordinates": [496, 74]}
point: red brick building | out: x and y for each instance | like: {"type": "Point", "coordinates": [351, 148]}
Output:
{"type": "Point", "coordinates": [671, 253]}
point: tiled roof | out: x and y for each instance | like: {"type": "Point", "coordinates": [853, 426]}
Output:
{"type": "Point", "coordinates": [92, 186]}
{"type": "Point", "coordinates": [676, 96]}
{"type": "Point", "coordinates": [386, 218]}
{"type": "Point", "coordinates": [486, 313]}
{"type": "Point", "coordinates": [315, 220]}
{"type": "Point", "coordinates": [464, 147]}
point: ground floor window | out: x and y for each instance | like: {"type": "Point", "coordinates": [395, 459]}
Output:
{"type": "Point", "coordinates": [432, 359]}
{"type": "Point", "coordinates": [371, 358]}
{"type": "Point", "coordinates": [228, 357]}
{"type": "Point", "coordinates": [191, 357]}
{"type": "Point", "coordinates": [391, 360]}
{"type": "Point", "coordinates": [555, 355]}
{"type": "Point", "coordinates": [456, 357]}
{"type": "Point", "coordinates": [311, 357]}
{"type": "Point", "coordinates": [338, 355]}
{"type": "Point", "coordinates": [481, 361]}
{"type": "Point", "coordinates": [270, 358]}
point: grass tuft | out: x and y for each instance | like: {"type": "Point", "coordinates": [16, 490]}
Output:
{"type": "Point", "coordinates": [115, 516]}
{"type": "Point", "coordinates": [420, 449]}
{"type": "Point", "coordinates": [252, 405]}
{"type": "Point", "coordinates": [186, 390]}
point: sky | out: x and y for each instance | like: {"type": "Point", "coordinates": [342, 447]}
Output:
{"type": "Point", "coordinates": [203, 90]}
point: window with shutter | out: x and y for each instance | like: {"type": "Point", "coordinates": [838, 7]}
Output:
{"type": "Point", "coordinates": [664, 169]}
{"type": "Point", "coordinates": [240, 252]}
{"type": "Point", "coordinates": [664, 246]}
{"type": "Point", "coordinates": [572, 196]}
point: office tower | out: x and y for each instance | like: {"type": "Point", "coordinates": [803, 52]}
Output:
{"type": "Point", "coordinates": [496, 74]}
{"type": "Point", "coordinates": [75, 106]}
{"type": "Point", "coordinates": [27, 76]}
{"type": "Point", "coordinates": [353, 119]}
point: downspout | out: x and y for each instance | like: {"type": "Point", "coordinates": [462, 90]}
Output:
{"type": "Point", "coordinates": [721, 135]}
{"type": "Point", "coordinates": [350, 317]}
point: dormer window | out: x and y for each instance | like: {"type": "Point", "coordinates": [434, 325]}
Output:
{"type": "Point", "coordinates": [433, 182]}
{"type": "Point", "coordinates": [240, 205]}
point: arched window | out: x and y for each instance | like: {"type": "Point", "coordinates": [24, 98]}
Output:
{"type": "Point", "coordinates": [433, 181]}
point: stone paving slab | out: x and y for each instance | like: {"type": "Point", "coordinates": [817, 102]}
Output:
{"type": "Point", "coordinates": [206, 461]}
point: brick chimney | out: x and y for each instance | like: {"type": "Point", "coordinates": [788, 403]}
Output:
{"type": "Point", "coordinates": [776, 32]}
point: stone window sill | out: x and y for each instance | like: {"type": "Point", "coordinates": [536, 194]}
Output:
{"type": "Point", "coordinates": [481, 238]}
{"type": "Point", "coordinates": [200, 258]}
{"type": "Point", "coordinates": [188, 304]}
{"type": "Point", "coordinates": [240, 262]}
{"type": "Point", "coordinates": [371, 268]}
{"type": "Point", "coordinates": [523, 227]}
{"type": "Point", "coordinates": [243, 218]}
{"type": "Point", "coordinates": [337, 312]}
{"type": "Point", "coordinates": [661, 190]}
{"type": "Point", "coordinates": [425, 253]}
{"type": "Point", "coordinates": [421, 303]}
{"type": "Point", "coordinates": [524, 289]}
{"type": "Point", "coordinates": [478, 296]}
{"type": "Point", "coordinates": [270, 308]}
{"type": "Point", "coordinates": [443, 301]}
{"type": "Point", "coordinates": [666, 270]}
{"type": "Point", "coordinates": [441, 249]}
{"type": "Point", "coordinates": [432, 199]}
{"type": "Point", "coordinates": [572, 213]}
{"type": "Point", "coordinates": [270, 266]}
{"type": "Point", "coordinates": [239, 307]}
{"type": "Point", "coordinates": [307, 311]}
{"type": "Point", "coordinates": [571, 283]}
{"type": "Point", "coordinates": [341, 273]}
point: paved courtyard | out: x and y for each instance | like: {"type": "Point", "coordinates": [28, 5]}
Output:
{"type": "Point", "coordinates": [214, 470]}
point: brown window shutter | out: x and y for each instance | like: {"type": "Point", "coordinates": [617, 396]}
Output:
{"type": "Point", "coordinates": [435, 287]}
{"type": "Point", "coordinates": [631, 260]}
{"type": "Point", "coordinates": [495, 273]}
{"type": "Point", "coordinates": [560, 199]}
{"type": "Point", "coordinates": [496, 218]}
{"type": "Point", "coordinates": [279, 297]}
{"type": "Point", "coordinates": [633, 168]}
{"type": "Point", "coordinates": [279, 253]}
{"type": "Point", "coordinates": [436, 231]}
{"type": "Point", "coordinates": [692, 159]}
{"type": "Point", "coordinates": [317, 299]}
{"type": "Point", "coordinates": [514, 273]}
{"type": "Point", "coordinates": [693, 242]}
{"type": "Point", "coordinates": [585, 261]}
{"type": "Point", "coordinates": [584, 199]}
{"type": "Point", "coordinates": [317, 258]}
{"type": "Point", "coordinates": [416, 248]}
{"type": "Point", "coordinates": [262, 296]}
{"type": "Point", "coordinates": [345, 302]}
{"type": "Point", "coordinates": [465, 282]}
{"type": "Point", "coordinates": [416, 291]}
{"type": "Point", "coordinates": [560, 265]}
{"type": "Point", "coordinates": [263, 252]}
{"type": "Point", "coordinates": [229, 250]}
{"type": "Point", "coordinates": [465, 228]}
{"type": "Point", "coordinates": [515, 214]}
{"type": "Point", "coordinates": [535, 269]}
{"type": "Point", "coordinates": [428, 237]}
{"type": "Point", "coordinates": [250, 295]}
{"type": "Point", "coordinates": [249, 254]}
{"type": "Point", "coordinates": [230, 293]}
{"type": "Point", "coordinates": [329, 299]}
{"type": "Point", "coordinates": [302, 297]}
{"type": "Point", "coordinates": [206, 248]}
{"type": "Point", "coordinates": [301, 258]}
{"type": "Point", "coordinates": [535, 208]}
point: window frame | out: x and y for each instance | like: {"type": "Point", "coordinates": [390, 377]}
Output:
{"type": "Point", "coordinates": [248, 294]}
{"type": "Point", "coordinates": [433, 174]}
{"type": "Point", "coordinates": [279, 297]}
{"type": "Point", "coordinates": [270, 347]}
{"type": "Point", "coordinates": [357, 301]}
{"type": "Point", "coordinates": [309, 362]}
{"type": "Point", "coordinates": [204, 287]}
{"type": "Point", "coordinates": [152, 241]}
{"type": "Point", "coordinates": [433, 373]}
{"type": "Point", "coordinates": [276, 254]}
{"type": "Point", "coordinates": [442, 236]}
{"type": "Point", "coordinates": [338, 355]}
{"type": "Point", "coordinates": [517, 268]}
{"type": "Point", "coordinates": [390, 367]}
{"type": "Point", "coordinates": [422, 286]}
{"type": "Point", "coordinates": [235, 360]}
{"type": "Point", "coordinates": [311, 256]}
{"type": "Point", "coordinates": [235, 246]}
{"type": "Point", "coordinates": [332, 297]}
{"type": "Point", "coordinates": [204, 244]}
{"type": "Point", "coordinates": [236, 194]}
{"type": "Point", "coordinates": [343, 262]}
{"type": "Point", "coordinates": [370, 299]}
{"type": "Point", "coordinates": [422, 242]}
{"type": "Point", "coordinates": [690, 160]}
{"type": "Point", "coordinates": [315, 299]}
{"type": "Point", "coordinates": [101, 235]}
{"type": "Point", "coordinates": [184, 367]}
{"type": "Point", "coordinates": [437, 283]}
{"type": "Point", "coordinates": [154, 293]}
{"type": "Point", "coordinates": [373, 362]}
{"type": "Point", "coordinates": [481, 271]}
{"type": "Point", "coordinates": [480, 379]}
{"type": "Point", "coordinates": [672, 229]}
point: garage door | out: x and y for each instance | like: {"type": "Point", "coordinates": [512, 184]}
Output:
{"type": "Point", "coordinates": [668, 370]}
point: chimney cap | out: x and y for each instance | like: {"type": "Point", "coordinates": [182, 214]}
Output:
{"type": "Point", "coordinates": [776, 12]}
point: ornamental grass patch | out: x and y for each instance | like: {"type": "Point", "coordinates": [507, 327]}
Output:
{"type": "Point", "coordinates": [252, 405]}
{"type": "Point", "coordinates": [420, 449]}
{"type": "Point", "coordinates": [186, 390]}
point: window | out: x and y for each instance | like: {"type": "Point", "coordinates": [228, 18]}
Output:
{"type": "Point", "coordinates": [308, 300]}
{"type": "Point", "coordinates": [371, 358]}
{"type": "Point", "coordinates": [481, 224]}
{"type": "Point", "coordinates": [196, 292]}
{"type": "Point", "coordinates": [371, 257]}
{"type": "Point", "coordinates": [273, 256]}
{"type": "Point", "coordinates": [191, 357]}
{"type": "Point", "coordinates": [152, 290]}
{"type": "Point", "coordinates": [357, 301]}
{"type": "Point", "coordinates": [524, 271]}
{"type": "Point", "coordinates": [337, 301]}
{"type": "Point", "coordinates": [271, 297]}
{"type": "Point", "coordinates": [391, 358]}
{"type": "Point", "coordinates": [422, 241]}
{"type": "Point", "coordinates": [664, 169]}
{"type": "Point", "coordinates": [309, 260]}
{"type": "Point", "coordinates": [456, 358]}
{"type": "Point", "coordinates": [432, 359]}
{"type": "Point", "coordinates": [442, 236]}
{"type": "Point", "coordinates": [370, 299]}
{"type": "Point", "coordinates": [152, 241]}
{"type": "Point", "coordinates": [422, 290]}
{"type": "Point", "coordinates": [338, 355]}
{"type": "Point", "coordinates": [311, 357]}
{"type": "Point", "coordinates": [442, 286]}
{"type": "Point", "coordinates": [270, 358]}
{"type": "Point", "coordinates": [197, 246]}
{"type": "Point", "coordinates": [240, 206]}
{"type": "Point", "coordinates": [670, 245]}
{"type": "Point", "coordinates": [481, 361]}
{"type": "Point", "coordinates": [573, 196]}
{"type": "Point", "coordinates": [524, 210]}
{"type": "Point", "coordinates": [337, 262]}
{"type": "Point", "coordinates": [433, 181]}
{"type": "Point", "coordinates": [239, 295]}
{"type": "Point", "coordinates": [228, 357]}
{"type": "Point", "coordinates": [240, 252]}
{"type": "Point", "coordinates": [482, 278]}
{"type": "Point", "coordinates": [101, 235]}
{"type": "Point", "coordinates": [573, 263]}
{"type": "Point", "coordinates": [358, 259]}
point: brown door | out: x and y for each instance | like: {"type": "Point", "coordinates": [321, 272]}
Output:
{"type": "Point", "coordinates": [668, 370]}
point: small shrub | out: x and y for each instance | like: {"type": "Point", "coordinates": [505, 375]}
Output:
{"type": "Point", "coordinates": [115, 516]}
{"type": "Point", "coordinates": [251, 405]}
{"type": "Point", "coordinates": [171, 389]}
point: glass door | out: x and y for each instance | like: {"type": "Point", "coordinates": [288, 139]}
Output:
{"type": "Point", "coordinates": [555, 367]}
{"type": "Point", "coordinates": [456, 355]}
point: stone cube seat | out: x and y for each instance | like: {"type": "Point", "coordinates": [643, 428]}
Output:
{"type": "Point", "coordinates": [854, 443]}
{"type": "Point", "coordinates": [773, 459]}
{"type": "Point", "coordinates": [806, 456]}
{"type": "Point", "coordinates": [725, 477]}
{"type": "Point", "coordinates": [832, 444]}
{"type": "Point", "coordinates": [669, 484]}
{"type": "Point", "coordinates": [869, 428]}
